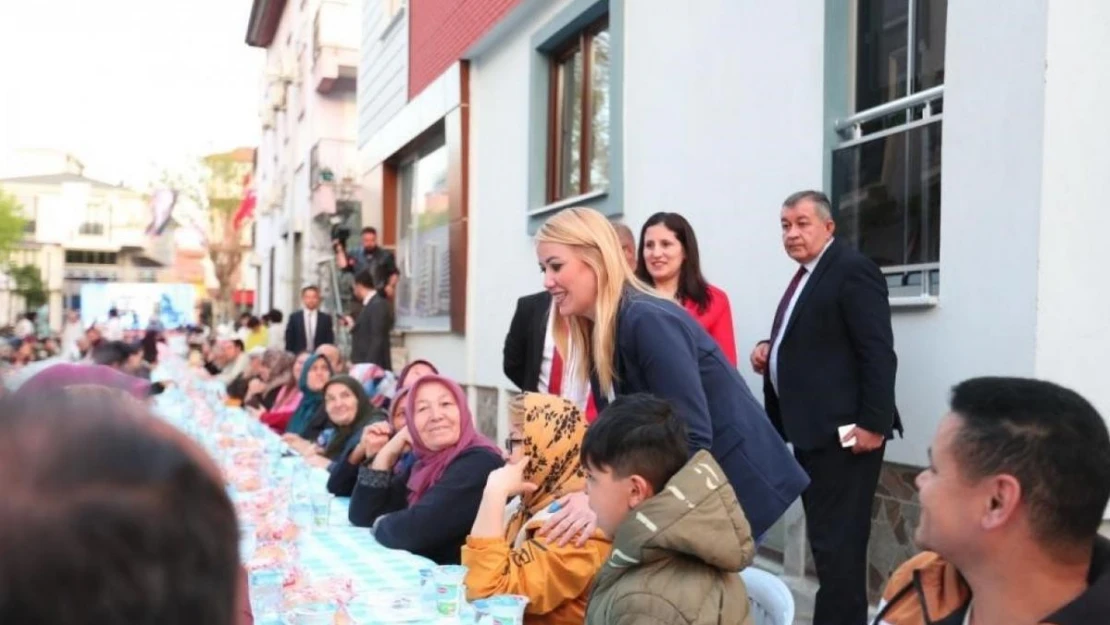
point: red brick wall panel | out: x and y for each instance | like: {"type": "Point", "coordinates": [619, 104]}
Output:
{"type": "Point", "coordinates": [440, 31]}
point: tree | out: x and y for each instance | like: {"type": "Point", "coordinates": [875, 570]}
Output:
{"type": "Point", "coordinates": [29, 285]}
{"type": "Point", "coordinates": [225, 175]}
{"type": "Point", "coordinates": [12, 223]}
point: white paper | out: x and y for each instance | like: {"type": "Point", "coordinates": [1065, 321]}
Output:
{"type": "Point", "coordinates": [844, 429]}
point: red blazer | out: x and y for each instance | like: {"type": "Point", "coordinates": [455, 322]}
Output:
{"type": "Point", "coordinates": [717, 321]}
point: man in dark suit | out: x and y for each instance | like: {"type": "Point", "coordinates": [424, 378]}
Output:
{"type": "Point", "coordinates": [830, 364]}
{"type": "Point", "coordinates": [370, 332]}
{"type": "Point", "coordinates": [309, 328]}
{"type": "Point", "coordinates": [525, 355]}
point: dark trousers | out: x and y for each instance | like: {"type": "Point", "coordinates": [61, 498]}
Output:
{"type": "Point", "coordinates": [838, 523]}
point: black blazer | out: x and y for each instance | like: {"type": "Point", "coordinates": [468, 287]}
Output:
{"type": "Point", "coordinates": [836, 361]}
{"type": "Point", "coordinates": [295, 341]}
{"type": "Point", "coordinates": [663, 351]}
{"type": "Point", "coordinates": [370, 334]}
{"type": "Point", "coordinates": [523, 352]}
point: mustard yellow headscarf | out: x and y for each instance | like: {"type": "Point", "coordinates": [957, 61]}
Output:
{"type": "Point", "coordinates": [553, 429]}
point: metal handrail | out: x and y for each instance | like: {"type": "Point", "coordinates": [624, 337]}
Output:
{"type": "Point", "coordinates": [888, 108]}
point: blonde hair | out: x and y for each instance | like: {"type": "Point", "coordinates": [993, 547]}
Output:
{"type": "Point", "coordinates": [594, 240]}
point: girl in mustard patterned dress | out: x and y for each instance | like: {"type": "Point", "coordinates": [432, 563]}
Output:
{"type": "Point", "coordinates": [502, 552]}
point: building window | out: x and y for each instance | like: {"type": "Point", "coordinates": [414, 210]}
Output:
{"type": "Point", "coordinates": [886, 168]}
{"type": "Point", "coordinates": [578, 119]}
{"type": "Point", "coordinates": [89, 257]}
{"type": "Point", "coordinates": [423, 239]}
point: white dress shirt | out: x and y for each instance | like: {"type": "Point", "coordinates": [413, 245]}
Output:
{"type": "Point", "coordinates": [310, 329]}
{"type": "Point", "coordinates": [810, 266]}
{"type": "Point", "coordinates": [572, 389]}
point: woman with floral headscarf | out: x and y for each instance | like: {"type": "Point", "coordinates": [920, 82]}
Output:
{"type": "Point", "coordinates": [428, 508]}
{"type": "Point", "coordinates": [503, 553]}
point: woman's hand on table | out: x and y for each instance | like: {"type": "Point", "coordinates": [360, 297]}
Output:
{"type": "Point", "coordinates": [574, 519]}
{"type": "Point", "coordinates": [392, 451]}
{"type": "Point", "coordinates": [319, 462]}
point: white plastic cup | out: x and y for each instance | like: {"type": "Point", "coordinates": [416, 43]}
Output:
{"type": "Point", "coordinates": [449, 588]}
{"type": "Point", "coordinates": [506, 609]}
{"type": "Point", "coordinates": [321, 509]}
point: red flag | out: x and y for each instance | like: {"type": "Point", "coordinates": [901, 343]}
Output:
{"type": "Point", "coordinates": [246, 207]}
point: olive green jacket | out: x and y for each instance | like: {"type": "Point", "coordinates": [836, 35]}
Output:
{"type": "Point", "coordinates": [676, 558]}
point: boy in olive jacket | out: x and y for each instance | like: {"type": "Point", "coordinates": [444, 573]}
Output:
{"type": "Point", "coordinates": [679, 535]}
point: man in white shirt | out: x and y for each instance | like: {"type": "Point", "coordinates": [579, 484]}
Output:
{"type": "Point", "coordinates": [113, 330]}
{"type": "Point", "coordinates": [308, 328]}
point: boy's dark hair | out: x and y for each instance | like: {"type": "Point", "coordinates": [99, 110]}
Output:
{"type": "Point", "coordinates": [1048, 437]}
{"type": "Point", "coordinates": [253, 322]}
{"type": "Point", "coordinates": [106, 519]}
{"type": "Point", "coordinates": [637, 435]}
{"type": "Point", "coordinates": [275, 316]}
{"type": "Point", "coordinates": [239, 344]}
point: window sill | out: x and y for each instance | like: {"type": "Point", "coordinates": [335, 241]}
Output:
{"type": "Point", "coordinates": [393, 22]}
{"type": "Point", "coordinates": [917, 302]}
{"type": "Point", "coordinates": [576, 200]}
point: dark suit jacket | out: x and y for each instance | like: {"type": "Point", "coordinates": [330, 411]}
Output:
{"type": "Point", "coordinates": [836, 361]}
{"type": "Point", "coordinates": [370, 334]}
{"type": "Point", "coordinates": [523, 352]}
{"type": "Point", "coordinates": [662, 350]}
{"type": "Point", "coordinates": [295, 341]}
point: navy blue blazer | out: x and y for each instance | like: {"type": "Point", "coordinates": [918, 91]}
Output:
{"type": "Point", "coordinates": [663, 351]}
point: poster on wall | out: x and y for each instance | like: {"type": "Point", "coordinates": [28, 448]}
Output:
{"type": "Point", "coordinates": [140, 304]}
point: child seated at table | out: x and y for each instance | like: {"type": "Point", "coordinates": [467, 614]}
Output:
{"type": "Point", "coordinates": [348, 411]}
{"type": "Point", "coordinates": [503, 553]}
{"type": "Point", "coordinates": [428, 507]}
{"type": "Point", "coordinates": [679, 535]}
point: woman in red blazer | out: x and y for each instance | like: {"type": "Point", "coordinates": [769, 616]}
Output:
{"type": "Point", "coordinates": [669, 261]}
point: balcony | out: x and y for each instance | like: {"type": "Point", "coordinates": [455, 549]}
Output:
{"type": "Point", "coordinates": [335, 47]}
{"type": "Point", "coordinates": [333, 175]}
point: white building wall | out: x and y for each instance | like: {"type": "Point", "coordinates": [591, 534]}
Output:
{"type": "Point", "coordinates": [383, 68]}
{"type": "Point", "coordinates": [284, 158]}
{"type": "Point", "coordinates": [1073, 308]}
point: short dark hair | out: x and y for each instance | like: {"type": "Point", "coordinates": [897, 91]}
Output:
{"type": "Point", "coordinates": [370, 230]}
{"type": "Point", "coordinates": [112, 312]}
{"type": "Point", "coordinates": [239, 344]}
{"type": "Point", "coordinates": [94, 478]}
{"type": "Point", "coordinates": [111, 353]}
{"type": "Point", "coordinates": [253, 322]}
{"type": "Point", "coordinates": [365, 278]}
{"type": "Point", "coordinates": [692, 285]}
{"type": "Point", "coordinates": [311, 287]}
{"type": "Point", "coordinates": [275, 315]}
{"type": "Point", "coordinates": [637, 435]}
{"type": "Point", "coordinates": [1049, 438]}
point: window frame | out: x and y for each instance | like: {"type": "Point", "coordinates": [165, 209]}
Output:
{"type": "Point", "coordinates": [911, 111]}
{"type": "Point", "coordinates": [581, 42]}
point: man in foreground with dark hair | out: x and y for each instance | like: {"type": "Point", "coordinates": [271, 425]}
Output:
{"type": "Point", "coordinates": [111, 517]}
{"type": "Point", "coordinates": [1018, 481]}
{"type": "Point", "coordinates": [679, 535]}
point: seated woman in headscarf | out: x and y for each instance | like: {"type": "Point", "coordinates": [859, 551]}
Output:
{"type": "Point", "coordinates": [503, 553]}
{"type": "Point", "coordinates": [284, 370]}
{"type": "Point", "coordinates": [428, 508]}
{"type": "Point", "coordinates": [309, 419]}
{"type": "Point", "coordinates": [349, 412]}
{"type": "Point", "coordinates": [344, 471]}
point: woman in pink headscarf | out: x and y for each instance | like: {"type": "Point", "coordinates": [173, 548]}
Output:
{"type": "Point", "coordinates": [426, 508]}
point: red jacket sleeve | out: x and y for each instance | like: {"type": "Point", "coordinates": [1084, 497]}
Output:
{"type": "Point", "coordinates": [717, 321]}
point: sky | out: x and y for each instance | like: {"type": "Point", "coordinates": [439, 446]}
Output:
{"type": "Point", "coordinates": [128, 86]}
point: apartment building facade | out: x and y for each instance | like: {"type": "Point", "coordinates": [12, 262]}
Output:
{"type": "Point", "coordinates": [306, 175]}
